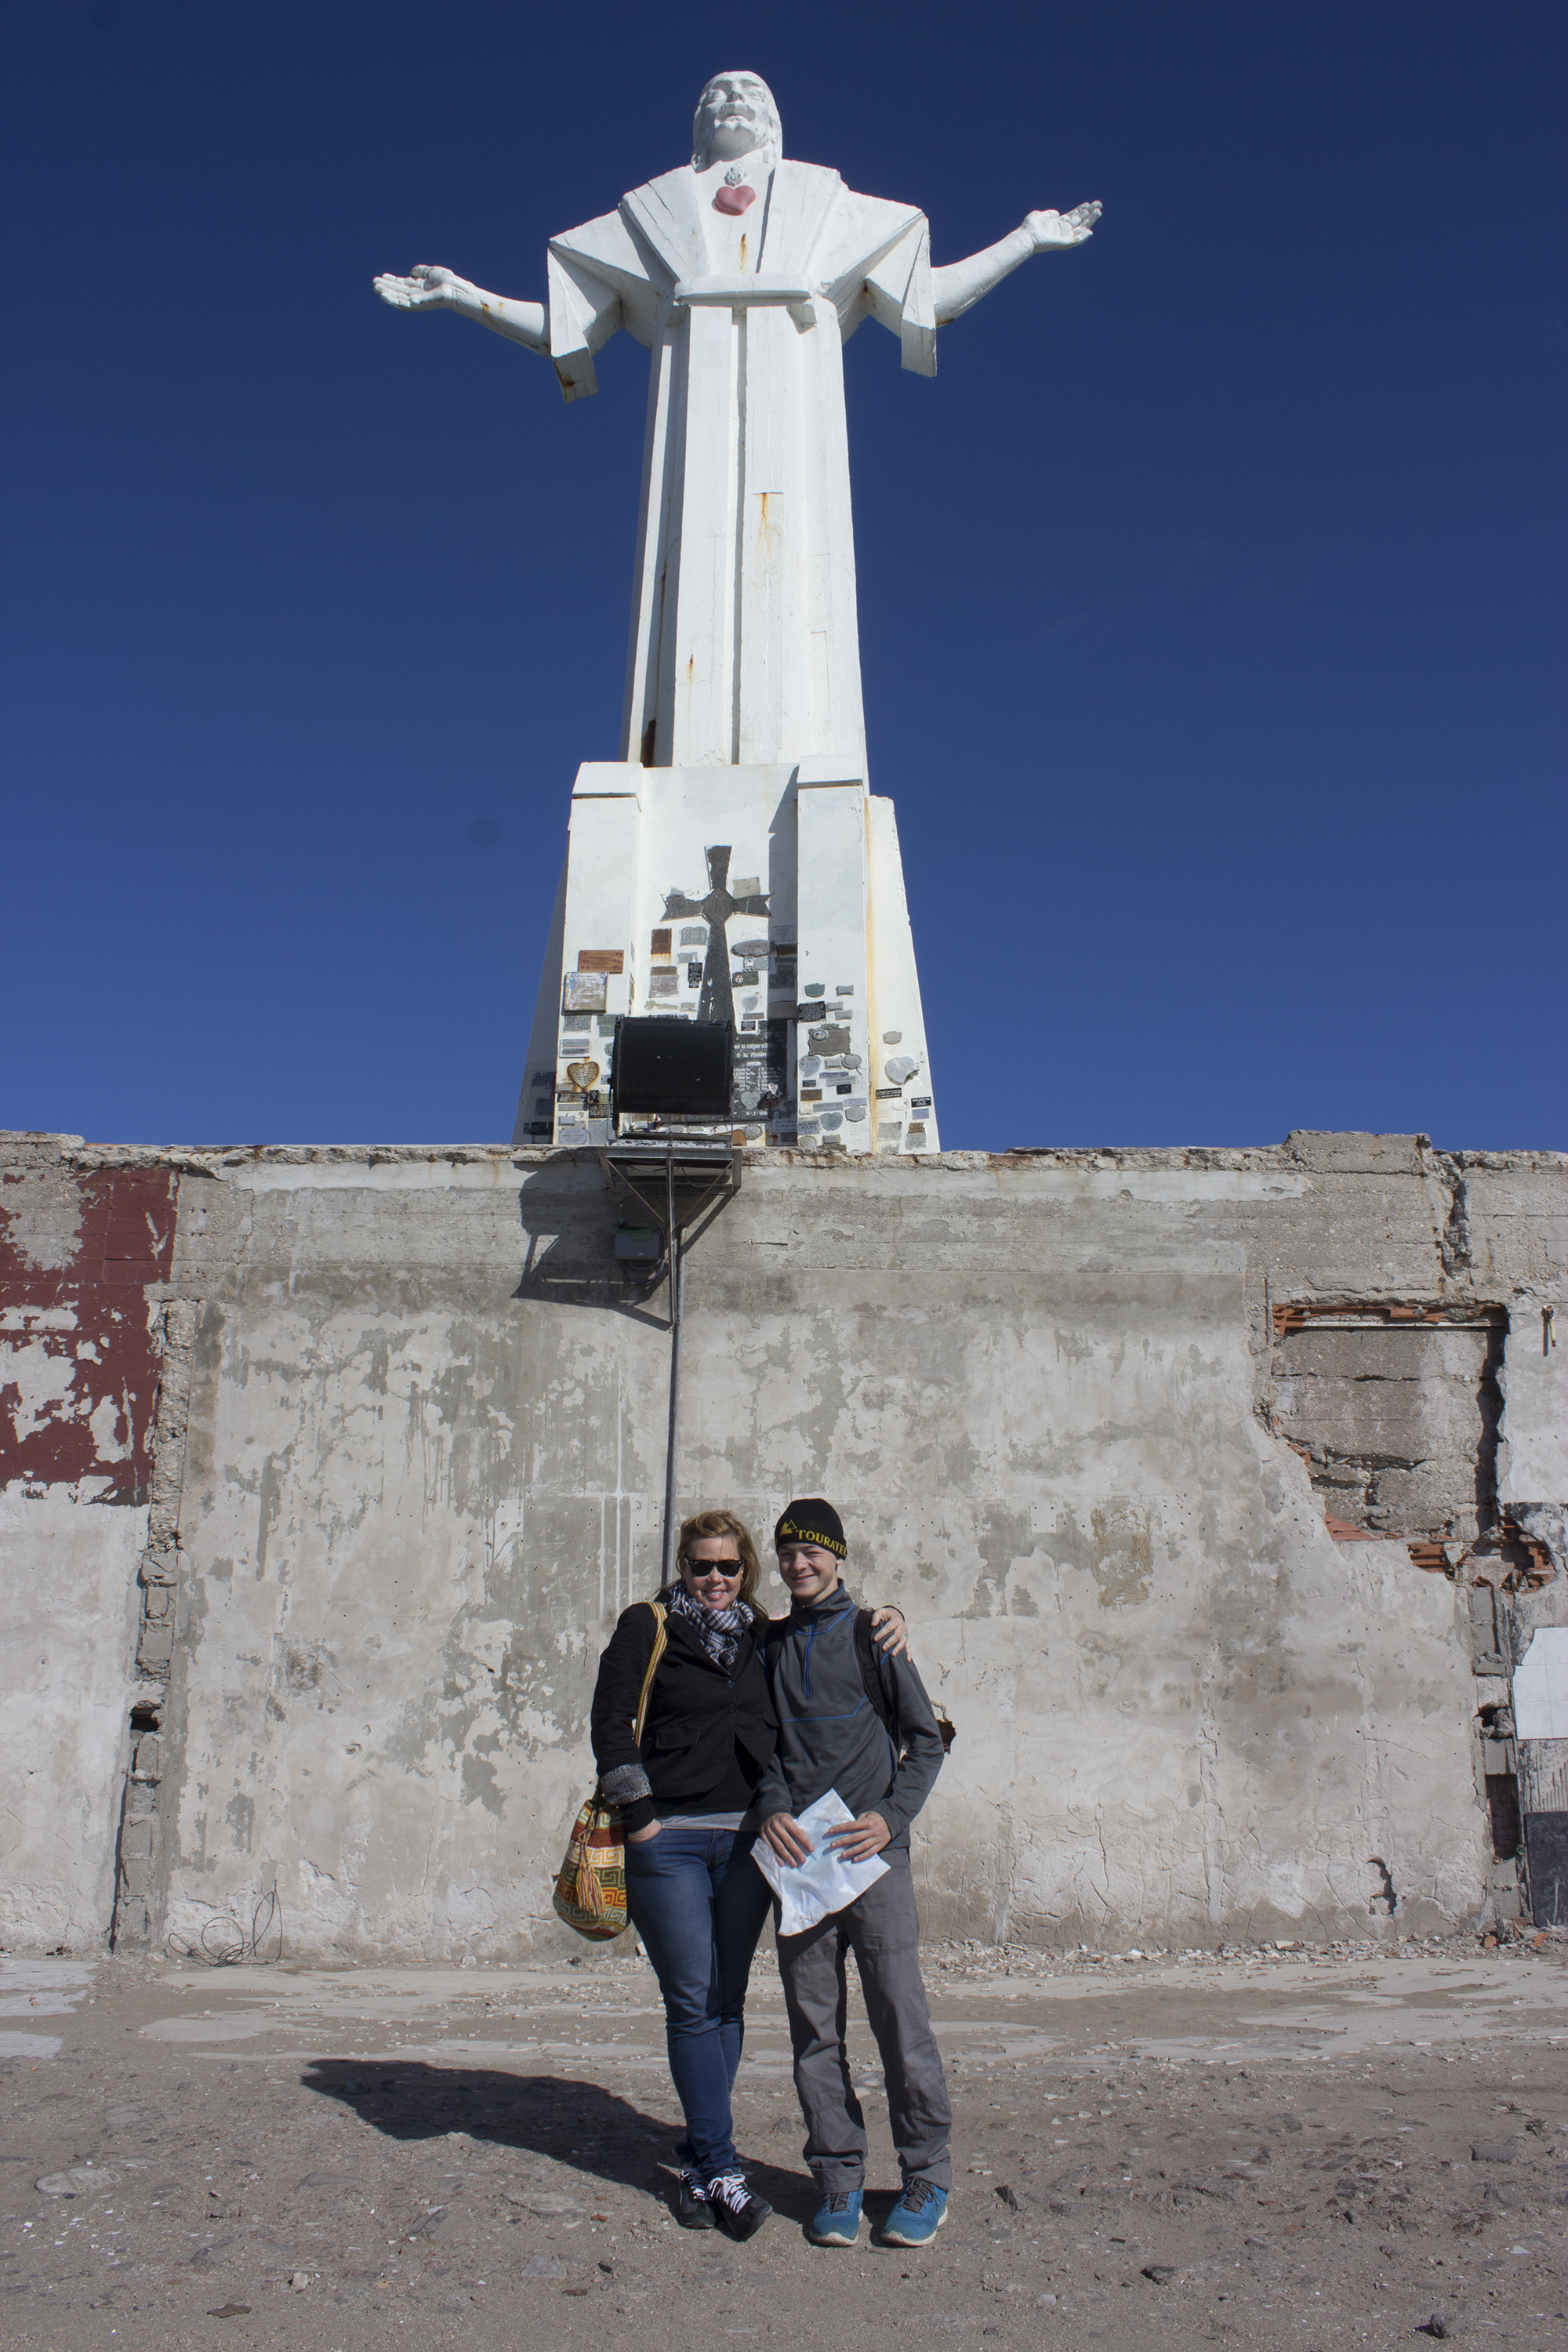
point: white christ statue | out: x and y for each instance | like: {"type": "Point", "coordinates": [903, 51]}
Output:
{"type": "Point", "coordinates": [743, 273]}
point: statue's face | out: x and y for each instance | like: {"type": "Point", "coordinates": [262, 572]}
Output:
{"type": "Point", "coordinates": [735, 114]}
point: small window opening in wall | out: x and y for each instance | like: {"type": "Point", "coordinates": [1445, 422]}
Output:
{"type": "Point", "coordinates": [1502, 1806]}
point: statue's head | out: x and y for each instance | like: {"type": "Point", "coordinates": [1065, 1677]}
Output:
{"type": "Point", "coordinates": [735, 116]}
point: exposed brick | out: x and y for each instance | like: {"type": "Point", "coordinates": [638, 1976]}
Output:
{"type": "Point", "coordinates": [156, 1646]}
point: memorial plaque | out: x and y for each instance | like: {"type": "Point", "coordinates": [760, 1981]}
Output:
{"type": "Point", "coordinates": [829, 1041]}
{"type": "Point", "coordinates": [889, 1093]}
{"type": "Point", "coordinates": [761, 1067]}
{"type": "Point", "coordinates": [584, 991]}
{"type": "Point", "coordinates": [814, 988]}
{"type": "Point", "coordinates": [662, 950]}
{"type": "Point", "coordinates": [748, 885]}
{"type": "Point", "coordinates": [694, 935]}
{"type": "Point", "coordinates": [582, 1074]}
{"type": "Point", "coordinates": [663, 983]}
{"type": "Point", "coordinates": [608, 960]}
{"type": "Point", "coordinates": [750, 950]}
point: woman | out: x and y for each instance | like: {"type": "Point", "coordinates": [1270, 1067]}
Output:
{"type": "Point", "coordinates": [696, 1897]}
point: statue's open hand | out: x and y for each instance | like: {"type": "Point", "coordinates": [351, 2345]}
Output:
{"type": "Point", "coordinates": [424, 289]}
{"type": "Point", "coordinates": [1049, 230]}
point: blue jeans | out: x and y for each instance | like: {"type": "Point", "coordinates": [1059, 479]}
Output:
{"type": "Point", "coordinates": [698, 1901]}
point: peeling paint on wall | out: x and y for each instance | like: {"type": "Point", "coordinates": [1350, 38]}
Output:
{"type": "Point", "coordinates": [79, 1358]}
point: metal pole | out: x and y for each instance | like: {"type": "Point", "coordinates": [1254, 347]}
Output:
{"type": "Point", "coordinates": [678, 1280]}
{"type": "Point", "coordinates": [672, 1244]}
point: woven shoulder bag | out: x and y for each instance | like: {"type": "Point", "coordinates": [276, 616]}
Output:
{"type": "Point", "coordinates": [591, 1884]}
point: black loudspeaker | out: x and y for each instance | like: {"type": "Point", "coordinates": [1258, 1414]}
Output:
{"type": "Point", "coordinates": [673, 1069]}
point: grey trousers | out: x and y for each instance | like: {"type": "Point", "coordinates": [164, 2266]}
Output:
{"type": "Point", "coordinates": [882, 1930]}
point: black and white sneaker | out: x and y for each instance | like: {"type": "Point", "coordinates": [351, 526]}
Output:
{"type": "Point", "coordinates": [737, 2212]}
{"type": "Point", "coordinates": [692, 2209]}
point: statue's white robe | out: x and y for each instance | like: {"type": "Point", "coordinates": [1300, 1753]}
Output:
{"type": "Point", "coordinates": [744, 646]}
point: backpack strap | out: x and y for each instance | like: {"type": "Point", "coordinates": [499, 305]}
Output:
{"type": "Point", "coordinates": [871, 1676]}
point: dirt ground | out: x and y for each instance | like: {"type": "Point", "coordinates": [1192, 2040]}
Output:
{"type": "Point", "coordinates": [1287, 2147]}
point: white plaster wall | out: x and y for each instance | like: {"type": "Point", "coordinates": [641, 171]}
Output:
{"type": "Point", "coordinates": [897, 1030]}
{"type": "Point", "coordinates": [425, 1453]}
{"type": "Point", "coordinates": [825, 858]}
{"type": "Point", "coordinates": [1535, 1432]}
{"type": "Point", "coordinates": [68, 1602]}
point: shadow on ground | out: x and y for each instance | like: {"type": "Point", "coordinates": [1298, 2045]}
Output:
{"type": "Point", "coordinates": [579, 2125]}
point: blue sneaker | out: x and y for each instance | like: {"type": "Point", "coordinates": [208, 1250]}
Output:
{"type": "Point", "coordinates": [917, 2217]}
{"type": "Point", "coordinates": [837, 2220]}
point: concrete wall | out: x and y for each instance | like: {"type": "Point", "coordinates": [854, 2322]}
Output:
{"type": "Point", "coordinates": [411, 1441]}
{"type": "Point", "coordinates": [85, 1254]}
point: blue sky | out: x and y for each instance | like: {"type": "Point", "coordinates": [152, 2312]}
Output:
{"type": "Point", "coordinates": [1211, 598]}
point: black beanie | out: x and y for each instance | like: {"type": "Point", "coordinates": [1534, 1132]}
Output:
{"type": "Point", "coordinates": [812, 1521]}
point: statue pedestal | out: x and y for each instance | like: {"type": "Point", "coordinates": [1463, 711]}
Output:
{"type": "Point", "coordinates": [771, 896]}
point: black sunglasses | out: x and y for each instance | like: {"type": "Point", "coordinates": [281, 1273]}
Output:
{"type": "Point", "coordinates": [728, 1568]}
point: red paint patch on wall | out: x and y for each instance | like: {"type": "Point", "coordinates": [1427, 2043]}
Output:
{"type": "Point", "coordinates": [78, 1365]}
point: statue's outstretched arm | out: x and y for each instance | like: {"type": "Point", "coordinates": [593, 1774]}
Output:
{"type": "Point", "coordinates": [959, 286]}
{"type": "Point", "coordinates": [440, 289]}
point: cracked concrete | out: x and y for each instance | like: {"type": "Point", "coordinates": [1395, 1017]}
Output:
{"type": "Point", "coordinates": [419, 1471]}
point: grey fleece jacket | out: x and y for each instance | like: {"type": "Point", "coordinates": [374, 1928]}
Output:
{"type": "Point", "coordinates": [829, 1734]}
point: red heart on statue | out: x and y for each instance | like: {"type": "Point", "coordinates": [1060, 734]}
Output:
{"type": "Point", "coordinates": [734, 200]}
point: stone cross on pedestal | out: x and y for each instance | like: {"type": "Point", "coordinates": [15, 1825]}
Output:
{"type": "Point", "coordinates": [717, 1001]}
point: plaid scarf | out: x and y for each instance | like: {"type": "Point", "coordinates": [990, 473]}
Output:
{"type": "Point", "coordinates": [718, 1630]}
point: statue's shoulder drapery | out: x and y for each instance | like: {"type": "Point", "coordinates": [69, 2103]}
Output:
{"type": "Point", "coordinates": [863, 253]}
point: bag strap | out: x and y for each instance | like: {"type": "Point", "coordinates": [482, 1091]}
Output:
{"type": "Point", "coordinates": [659, 1641]}
{"type": "Point", "coordinates": [870, 1675]}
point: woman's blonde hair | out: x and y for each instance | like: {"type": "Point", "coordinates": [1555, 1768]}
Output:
{"type": "Point", "coordinates": [725, 1523]}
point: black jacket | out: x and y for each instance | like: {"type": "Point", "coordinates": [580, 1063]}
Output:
{"type": "Point", "coordinates": [708, 1734]}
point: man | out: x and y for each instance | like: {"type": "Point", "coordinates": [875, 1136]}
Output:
{"type": "Point", "coordinates": [832, 1736]}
